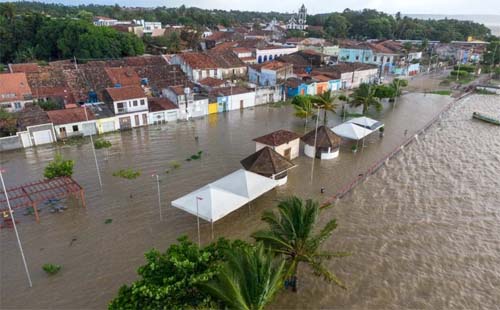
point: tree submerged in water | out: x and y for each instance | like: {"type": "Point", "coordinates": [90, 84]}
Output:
{"type": "Point", "coordinates": [59, 167]}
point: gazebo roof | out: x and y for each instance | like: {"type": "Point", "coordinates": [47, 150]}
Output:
{"type": "Point", "coordinates": [326, 138]}
{"type": "Point", "coordinates": [277, 137]}
{"type": "Point", "coordinates": [266, 161]}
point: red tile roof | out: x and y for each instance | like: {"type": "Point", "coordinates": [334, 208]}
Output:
{"type": "Point", "coordinates": [278, 137]}
{"type": "Point", "coordinates": [68, 116]}
{"type": "Point", "coordinates": [160, 104]}
{"type": "Point", "coordinates": [125, 93]}
{"type": "Point", "coordinates": [13, 87]}
{"type": "Point", "coordinates": [212, 82]}
{"type": "Point", "coordinates": [27, 67]}
{"type": "Point", "coordinates": [198, 60]}
{"type": "Point", "coordinates": [123, 76]}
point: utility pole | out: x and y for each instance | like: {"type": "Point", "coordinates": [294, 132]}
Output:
{"type": "Point", "coordinates": [91, 138]}
{"type": "Point", "coordinates": [315, 140]}
{"type": "Point", "coordinates": [159, 196]}
{"type": "Point", "coordinates": [15, 228]}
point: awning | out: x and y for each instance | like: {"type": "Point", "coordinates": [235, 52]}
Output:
{"type": "Point", "coordinates": [366, 122]}
{"type": "Point", "coordinates": [351, 131]}
{"type": "Point", "coordinates": [225, 195]}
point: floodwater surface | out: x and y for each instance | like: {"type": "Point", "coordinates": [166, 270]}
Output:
{"type": "Point", "coordinates": [423, 230]}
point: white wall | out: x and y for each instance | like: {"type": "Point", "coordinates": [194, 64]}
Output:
{"type": "Point", "coordinates": [234, 101]}
{"type": "Point", "coordinates": [129, 107]}
{"type": "Point", "coordinates": [294, 146]}
{"type": "Point", "coordinates": [274, 52]}
{"type": "Point", "coordinates": [83, 128]}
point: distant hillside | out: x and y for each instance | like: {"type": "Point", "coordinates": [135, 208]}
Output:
{"type": "Point", "coordinates": [491, 21]}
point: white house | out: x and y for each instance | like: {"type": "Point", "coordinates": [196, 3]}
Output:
{"type": "Point", "coordinates": [353, 74]}
{"type": "Point", "coordinates": [73, 122]}
{"type": "Point", "coordinates": [130, 105]}
{"type": "Point", "coordinates": [104, 21]}
{"type": "Point", "coordinates": [284, 142]}
{"type": "Point", "coordinates": [190, 105]}
{"type": "Point", "coordinates": [162, 110]}
{"type": "Point", "coordinates": [272, 52]}
{"type": "Point", "coordinates": [15, 92]}
{"type": "Point", "coordinates": [149, 27]}
{"type": "Point", "coordinates": [197, 66]}
{"type": "Point", "coordinates": [234, 98]}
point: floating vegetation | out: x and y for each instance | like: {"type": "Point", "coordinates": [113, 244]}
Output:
{"type": "Point", "coordinates": [175, 165]}
{"type": "Point", "coordinates": [127, 173]}
{"type": "Point", "coordinates": [51, 269]}
{"type": "Point", "coordinates": [441, 92]}
{"type": "Point", "coordinates": [101, 143]}
{"type": "Point", "coordinates": [108, 221]}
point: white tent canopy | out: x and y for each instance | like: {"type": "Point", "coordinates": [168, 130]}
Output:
{"type": "Point", "coordinates": [366, 122]}
{"type": "Point", "coordinates": [351, 131]}
{"type": "Point", "coordinates": [225, 195]}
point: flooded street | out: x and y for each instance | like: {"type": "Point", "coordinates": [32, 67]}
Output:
{"type": "Point", "coordinates": [423, 230]}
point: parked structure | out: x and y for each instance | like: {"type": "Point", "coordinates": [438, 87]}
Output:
{"type": "Point", "coordinates": [285, 142]}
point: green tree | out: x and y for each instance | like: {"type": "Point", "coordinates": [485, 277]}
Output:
{"type": "Point", "coordinates": [397, 85]}
{"type": "Point", "coordinates": [337, 25]}
{"type": "Point", "coordinates": [8, 122]}
{"type": "Point", "coordinates": [173, 42]}
{"type": "Point", "coordinates": [291, 234]}
{"type": "Point", "coordinates": [59, 167]}
{"type": "Point", "coordinates": [365, 96]}
{"type": "Point", "coordinates": [303, 107]}
{"type": "Point", "coordinates": [385, 91]}
{"type": "Point", "coordinates": [326, 102]}
{"type": "Point", "coordinates": [249, 280]}
{"type": "Point", "coordinates": [171, 280]}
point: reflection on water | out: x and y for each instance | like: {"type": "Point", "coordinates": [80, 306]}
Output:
{"type": "Point", "coordinates": [397, 223]}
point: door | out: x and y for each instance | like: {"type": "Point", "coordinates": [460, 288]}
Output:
{"type": "Point", "coordinates": [136, 118]}
{"type": "Point", "coordinates": [42, 137]}
{"type": "Point", "coordinates": [287, 153]}
{"type": "Point", "coordinates": [62, 132]}
{"type": "Point", "coordinates": [144, 119]}
{"type": "Point", "coordinates": [108, 126]}
{"type": "Point", "coordinates": [125, 123]}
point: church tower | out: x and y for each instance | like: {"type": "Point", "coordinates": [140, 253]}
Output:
{"type": "Point", "coordinates": [302, 17]}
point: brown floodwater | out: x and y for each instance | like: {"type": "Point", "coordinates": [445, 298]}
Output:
{"type": "Point", "coordinates": [423, 230]}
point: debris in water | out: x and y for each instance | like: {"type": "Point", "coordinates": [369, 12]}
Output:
{"type": "Point", "coordinates": [108, 221]}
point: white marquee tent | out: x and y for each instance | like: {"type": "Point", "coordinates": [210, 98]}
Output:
{"type": "Point", "coordinates": [225, 195]}
{"type": "Point", "coordinates": [366, 122]}
{"type": "Point", "coordinates": [351, 131]}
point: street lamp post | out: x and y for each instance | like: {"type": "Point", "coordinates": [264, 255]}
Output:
{"type": "Point", "coordinates": [315, 140]}
{"type": "Point", "coordinates": [15, 228]}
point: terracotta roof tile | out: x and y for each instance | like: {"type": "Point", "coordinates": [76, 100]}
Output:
{"type": "Point", "coordinates": [123, 76]}
{"type": "Point", "coordinates": [212, 82]}
{"type": "Point", "coordinates": [68, 116]}
{"type": "Point", "coordinates": [125, 93]}
{"type": "Point", "coordinates": [160, 104]}
{"type": "Point", "coordinates": [326, 138]}
{"type": "Point", "coordinates": [278, 137]}
{"type": "Point", "coordinates": [198, 60]}
{"type": "Point", "coordinates": [266, 162]}
{"type": "Point", "coordinates": [26, 67]}
{"type": "Point", "coordinates": [14, 86]}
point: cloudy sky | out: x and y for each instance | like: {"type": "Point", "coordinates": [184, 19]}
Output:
{"type": "Point", "coordinates": [320, 6]}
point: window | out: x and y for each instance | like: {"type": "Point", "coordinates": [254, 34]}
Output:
{"type": "Point", "coordinates": [366, 58]}
{"type": "Point", "coordinates": [142, 102]}
{"type": "Point", "coordinates": [388, 59]}
{"type": "Point", "coordinates": [357, 57]}
{"type": "Point", "coordinates": [17, 105]}
{"type": "Point", "coordinates": [75, 127]}
{"type": "Point", "coordinates": [135, 103]}
{"type": "Point", "coordinates": [347, 57]}
{"type": "Point", "coordinates": [374, 58]}
{"type": "Point", "coordinates": [6, 105]}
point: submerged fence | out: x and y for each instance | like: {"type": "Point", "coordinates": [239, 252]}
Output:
{"type": "Point", "coordinates": [377, 165]}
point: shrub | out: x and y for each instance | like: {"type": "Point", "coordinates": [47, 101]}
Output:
{"type": "Point", "coordinates": [175, 165]}
{"type": "Point", "coordinates": [127, 173]}
{"type": "Point", "coordinates": [59, 168]}
{"type": "Point", "coordinates": [467, 68]}
{"type": "Point", "coordinates": [461, 74]}
{"type": "Point", "coordinates": [51, 269]}
{"type": "Point", "coordinates": [101, 143]}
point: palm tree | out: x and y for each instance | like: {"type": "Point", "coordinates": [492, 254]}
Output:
{"type": "Point", "coordinates": [291, 234]}
{"type": "Point", "coordinates": [397, 84]}
{"type": "Point", "coordinates": [326, 102]}
{"type": "Point", "coordinates": [249, 279]}
{"type": "Point", "coordinates": [365, 95]}
{"type": "Point", "coordinates": [303, 107]}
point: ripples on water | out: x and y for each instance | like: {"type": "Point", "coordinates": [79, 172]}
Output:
{"type": "Point", "coordinates": [409, 226]}
{"type": "Point", "coordinates": [425, 231]}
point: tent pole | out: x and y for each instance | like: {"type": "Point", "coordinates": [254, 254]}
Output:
{"type": "Point", "coordinates": [198, 222]}
{"type": "Point", "coordinates": [15, 229]}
